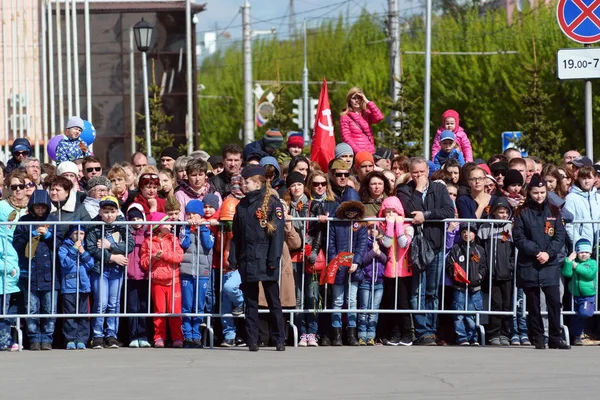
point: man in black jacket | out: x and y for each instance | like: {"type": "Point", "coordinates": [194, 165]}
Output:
{"type": "Point", "coordinates": [425, 201]}
{"type": "Point", "coordinates": [232, 164]}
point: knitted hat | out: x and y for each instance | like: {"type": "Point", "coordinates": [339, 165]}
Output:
{"type": "Point", "coordinates": [172, 204]}
{"type": "Point", "coordinates": [339, 164]}
{"type": "Point", "coordinates": [211, 200]}
{"type": "Point", "coordinates": [109, 201]}
{"type": "Point", "coordinates": [195, 206]}
{"type": "Point", "coordinates": [158, 217]}
{"type": "Point", "coordinates": [79, 227]}
{"type": "Point", "coordinates": [251, 170]}
{"type": "Point", "coordinates": [361, 157]}
{"type": "Point", "coordinates": [295, 139]}
{"type": "Point", "coordinates": [74, 122]}
{"type": "Point", "coordinates": [228, 209]}
{"type": "Point", "coordinates": [294, 177]}
{"type": "Point", "coordinates": [383, 154]}
{"type": "Point", "coordinates": [135, 211]}
{"type": "Point", "coordinates": [342, 149]}
{"type": "Point", "coordinates": [170, 152]}
{"type": "Point", "coordinates": [472, 227]}
{"type": "Point", "coordinates": [583, 245]}
{"type": "Point", "coordinates": [273, 139]}
{"type": "Point", "coordinates": [96, 181]}
{"type": "Point", "coordinates": [485, 167]}
{"type": "Point", "coordinates": [447, 135]}
{"type": "Point", "coordinates": [66, 167]}
{"type": "Point", "coordinates": [536, 181]}
{"type": "Point", "coordinates": [513, 177]}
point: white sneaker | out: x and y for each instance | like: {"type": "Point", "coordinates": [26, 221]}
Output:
{"type": "Point", "coordinates": [144, 344]}
{"type": "Point", "coordinates": [134, 344]}
{"type": "Point", "coordinates": [312, 340]}
{"type": "Point", "coordinates": [303, 340]}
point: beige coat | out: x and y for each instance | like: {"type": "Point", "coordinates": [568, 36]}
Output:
{"type": "Point", "coordinates": [287, 288]}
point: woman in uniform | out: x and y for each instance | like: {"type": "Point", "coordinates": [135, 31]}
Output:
{"type": "Point", "coordinates": [257, 244]}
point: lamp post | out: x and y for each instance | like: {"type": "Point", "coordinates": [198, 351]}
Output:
{"type": "Point", "coordinates": [142, 31]}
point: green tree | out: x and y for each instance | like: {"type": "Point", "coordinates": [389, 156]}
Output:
{"type": "Point", "coordinates": [281, 118]}
{"type": "Point", "coordinates": [541, 136]}
{"type": "Point", "coordinates": [160, 137]}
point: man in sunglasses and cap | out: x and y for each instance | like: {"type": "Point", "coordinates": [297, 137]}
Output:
{"type": "Point", "coordinates": [72, 146]}
{"type": "Point", "coordinates": [339, 176]}
{"type": "Point", "coordinates": [20, 150]}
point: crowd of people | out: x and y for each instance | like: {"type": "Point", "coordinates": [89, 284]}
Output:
{"type": "Point", "coordinates": [265, 227]}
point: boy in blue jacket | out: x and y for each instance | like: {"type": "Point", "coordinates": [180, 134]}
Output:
{"type": "Point", "coordinates": [350, 236]}
{"type": "Point", "coordinates": [75, 262]}
{"type": "Point", "coordinates": [39, 282]}
{"type": "Point", "coordinates": [448, 150]}
{"type": "Point", "coordinates": [195, 271]}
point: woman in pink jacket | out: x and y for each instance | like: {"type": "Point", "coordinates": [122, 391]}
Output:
{"type": "Point", "coordinates": [397, 236]}
{"type": "Point", "coordinates": [450, 122]}
{"type": "Point", "coordinates": [356, 121]}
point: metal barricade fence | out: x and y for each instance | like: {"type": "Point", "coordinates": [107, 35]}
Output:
{"type": "Point", "coordinates": [432, 295]}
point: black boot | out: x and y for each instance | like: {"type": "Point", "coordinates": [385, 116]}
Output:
{"type": "Point", "coordinates": [336, 339]}
{"type": "Point", "coordinates": [539, 343]}
{"type": "Point", "coordinates": [325, 341]}
{"type": "Point", "coordinates": [351, 337]}
{"type": "Point", "coordinates": [560, 345]}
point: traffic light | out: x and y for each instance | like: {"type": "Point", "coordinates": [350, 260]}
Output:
{"type": "Point", "coordinates": [312, 112]}
{"type": "Point", "coordinates": [298, 111]}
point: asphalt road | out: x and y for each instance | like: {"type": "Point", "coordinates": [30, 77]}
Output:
{"type": "Point", "coordinates": [307, 373]}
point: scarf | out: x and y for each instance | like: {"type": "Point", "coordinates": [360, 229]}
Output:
{"type": "Point", "coordinates": [316, 197]}
{"type": "Point", "coordinates": [299, 209]}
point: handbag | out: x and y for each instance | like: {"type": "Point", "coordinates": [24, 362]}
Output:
{"type": "Point", "coordinates": [421, 253]}
{"type": "Point", "coordinates": [319, 265]}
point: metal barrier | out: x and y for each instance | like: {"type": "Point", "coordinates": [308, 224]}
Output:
{"type": "Point", "coordinates": [416, 290]}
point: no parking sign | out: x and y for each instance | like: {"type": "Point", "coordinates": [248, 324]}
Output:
{"type": "Point", "coordinates": [579, 20]}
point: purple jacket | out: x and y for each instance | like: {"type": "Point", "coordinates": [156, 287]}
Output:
{"type": "Point", "coordinates": [372, 263]}
{"type": "Point", "coordinates": [133, 267]}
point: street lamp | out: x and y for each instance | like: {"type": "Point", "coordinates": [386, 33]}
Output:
{"type": "Point", "coordinates": [142, 31]}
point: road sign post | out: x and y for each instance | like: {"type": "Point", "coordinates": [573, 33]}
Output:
{"type": "Point", "coordinates": [580, 23]}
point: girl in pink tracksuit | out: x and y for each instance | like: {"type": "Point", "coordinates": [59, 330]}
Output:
{"type": "Point", "coordinates": [397, 236]}
{"type": "Point", "coordinates": [356, 121]}
{"type": "Point", "coordinates": [450, 121]}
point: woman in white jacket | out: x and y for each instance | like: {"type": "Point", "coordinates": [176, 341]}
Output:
{"type": "Point", "coordinates": [583, 201]}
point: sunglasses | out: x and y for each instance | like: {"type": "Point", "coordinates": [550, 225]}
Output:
{"type": "Point", "coordinates": [498, 173]}
{"type": "Point", "coordinates": [30, 185]}
{"type": "Point", "coordinates": [317, 184]}
{"type": "Point", "coordinates": [149, 176]}
{"type": "Point", "coordinates": [342, 174]}
{"type": "Point", "coordinates": [17, 187]}
{"type": "Point", "coordinates": [21, 153]}
{"type": "Point", "coordinates": [92, 169]}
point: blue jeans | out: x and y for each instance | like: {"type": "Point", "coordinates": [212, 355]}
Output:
{"type": "Point", "coordinates": [307, 322]}
{"type": "Point", "coordinates": [41, 330]}
{"type": "Point", "coordinates": [231, 296]}
{"type": "Point", "coordinates": [464, 325]}
{"type": "Point", "coordinates": [339, 293]}
{"type": "Point", "coordinates": [428, 282]}
{"type": "Point", "coordinates": [106, 291]}
{"type": "Point", "coordinates": [519, 328]}
{"type": "Point", "coordinates": [5, 323]}
{"type": "Point", "coordinates": [367, 323]}
{"type": "Point", "coordinates": [578, 320]}
{"type": "Point", "coordinates": [211, 300]}
{"type": "Point", "coordinates": [193, 297]}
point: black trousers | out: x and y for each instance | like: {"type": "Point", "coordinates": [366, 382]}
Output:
{"type": "Point", "coordinates": [502, 293]}
{"type": "Point", "coordinates": [395, 325]}
{"type": "Point", "coordinates": [271, 289]}
{"type": "Point", "coordinates": [76, 329]}
{"type": "Point", "coordinates": [535, 324]}
{"type": "Point", "coordinates": [137, 302]}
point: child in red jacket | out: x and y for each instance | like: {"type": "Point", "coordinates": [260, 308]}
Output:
{"type": "Point", "coordinates": [161, 254]}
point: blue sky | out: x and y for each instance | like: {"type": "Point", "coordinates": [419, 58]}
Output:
{"type": "Point", "coordinates": [225, 12]}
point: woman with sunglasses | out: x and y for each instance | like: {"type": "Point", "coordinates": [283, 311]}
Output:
{"type": "Point", "coordinates": [14, 205]}
{"type": "Point", "coordinates": [149, 184]}
{"type": "Point", "coordinates": [356, 121]}
{"type": "Point", "coordinates": [475, 204]}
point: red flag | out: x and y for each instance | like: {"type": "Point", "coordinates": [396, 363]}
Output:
{"type": "Point", "coordinates": [323, 141]}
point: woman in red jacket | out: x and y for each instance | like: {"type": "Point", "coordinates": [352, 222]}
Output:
{"type": "Point", "coordinates": [356, 121]}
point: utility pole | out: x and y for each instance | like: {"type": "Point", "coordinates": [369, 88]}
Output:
{"type": "Point", "coordinates": [427, 95]}
{"type": "Point", "coordinates": [395, 63]}
{"type": "Point", "coordinates": [305, 90]}
{"type": "Point", "coordinates": [292, 19]}
{"type": "Point", "coordinates": [248, 95]}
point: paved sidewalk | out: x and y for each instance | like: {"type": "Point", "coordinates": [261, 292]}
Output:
{"type": "Point", "coordinates": [325, 373]}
